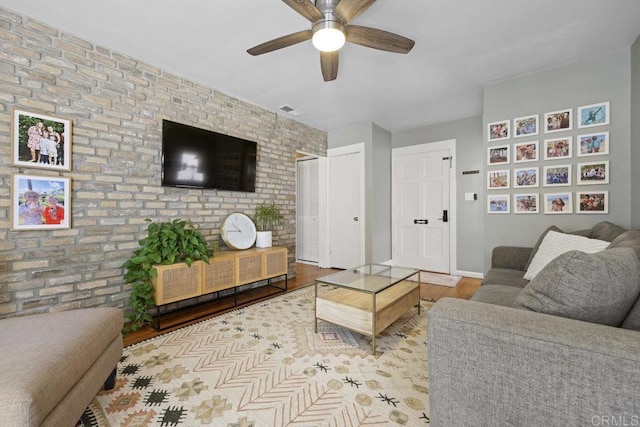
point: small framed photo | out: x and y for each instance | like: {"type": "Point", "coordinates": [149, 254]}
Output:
{"type": "Point", "coordinates": [39, 140]}
{"type": "Point", "coordinates": [557, 176]}
{"type": "Point", "coordinates": [593, 144]}
{"type": "Point", "coordinates": [557, 148]}
{"type": "Point", "coordinates": [40, 202]}
{"type": "Point", "coordinates": [525, 126]}
{"type": "Point", "coordinates": [525, 152]}
{"type": "Point", "coordinates": [558, 121]}
{"type": "Point", "coordinates": [497, 131]}
{"type": "Point", "coordinates": [593, 173]}
{"type": "Point", "coordinates": [525, 177]}
{"type": "Point", "coordinates": [498, 203]}
{"type": "Point", "coordinates": [526, 203]}
{"type": "Point", "coordinates": [497, 180]}
{"type": "Point", "coordinates": [593, 202]}
{"type": "Point", "coordinates": [498, 155]}
{"type": "Point", "coordinates": [593, 115]}
{"type": "Point", "coordinates": [558, 203]}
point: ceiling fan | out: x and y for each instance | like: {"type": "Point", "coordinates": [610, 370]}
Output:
{"type": "Point", "coordinates": [330, 30]}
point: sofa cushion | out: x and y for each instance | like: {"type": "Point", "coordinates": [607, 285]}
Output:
{"type": "Point", "coordinates": [628, 239]}
{"type": "Point", "coordinates": [632, 321]}
{"type": "Point", "coordinates": [539, 242]}
{"type": "Point", "coordinates": [555, 244]}
{"type": "Point", "coordinates": [606, 231]}
{"type": "Point", "coordinates": [599, 287]}
{"type": "Point", "coordinates": [505, 277]}
{"type": "Point", "coordinates": [496, 294]}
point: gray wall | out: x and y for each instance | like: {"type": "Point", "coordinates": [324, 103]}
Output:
{"type": "Point", "coordinates": [635, 134]}
{"type": "Point", "coordinates": [605, 78]}
{"type": "Point", "coordinates": [469, 156]}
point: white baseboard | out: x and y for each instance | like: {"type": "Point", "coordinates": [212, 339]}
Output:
{"type": "Point", "coordinates": [471, 274]}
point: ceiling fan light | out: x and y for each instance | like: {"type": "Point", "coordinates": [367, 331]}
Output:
{"type": "Point", "coordinates": [329, 38]}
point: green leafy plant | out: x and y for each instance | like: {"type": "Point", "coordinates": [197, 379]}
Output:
{"type": "Point", "coordinates": [267, 216]}
{"type": "Point", "coordinates": [166, 243]}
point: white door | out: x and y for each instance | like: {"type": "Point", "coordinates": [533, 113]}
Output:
{"type": "Point", "coordinates": [307, 208]}
{"type": "Point", "coordinates": [422, 212]}
{"type": "Point", "coordinates": [346, 191]}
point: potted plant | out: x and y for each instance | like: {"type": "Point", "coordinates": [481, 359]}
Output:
{"type": "Point", "coordinates": [266, 216]}
{"type": "Point", "coordinates": [166, 243]}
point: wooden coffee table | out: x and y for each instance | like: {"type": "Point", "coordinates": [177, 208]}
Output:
{"type": "Point", "coordinates": [367, 299]}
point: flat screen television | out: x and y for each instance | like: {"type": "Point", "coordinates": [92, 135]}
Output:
{"type": "Point", "coordinates": [199, 158]}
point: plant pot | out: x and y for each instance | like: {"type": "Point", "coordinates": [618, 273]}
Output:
{"type": "Point", "coordinates": [264, 239]}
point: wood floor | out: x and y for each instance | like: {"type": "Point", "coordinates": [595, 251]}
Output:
{"type": "Point", "coordinates": [305, 276]}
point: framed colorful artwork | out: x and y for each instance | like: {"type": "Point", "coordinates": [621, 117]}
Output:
{"type": "Point", "coordinates": [525, 126]}
{"type": "Point", "coordinates": [593, 173]}
{"type": "Point", "coordinates": [497, 180]}
{"type": "Point", "coordinates": [593, 144]}
{"type": "Point", "coordinates": [498, 204]}
{"type": "Point", "coordinates": [593, 202]}
{"type": "Point", "coordinates": [557, 148]}
{"type": "Point", "coordinates": [593, 115]}
{"type": "Point", "coordinates": [525, 152]}
{"type": "Point", "coordinates": [40, 202]}
{"type": "Point", "coordinates": [558, 203]}
{"type": "Point", "coordinates": [526, 177]}
{"type": "Point", "coordinates": [498, 131]}
{"type": "Point", "coordinates": [39, 140]}
{"type": "Point", "coordinates": [557, 176]}
{"type": "Point", "coordinates": [558, 121]}
{"type": "Point", "coordinates": [498, 155]}
{"type": "Point", "coordinates": [526, 203]}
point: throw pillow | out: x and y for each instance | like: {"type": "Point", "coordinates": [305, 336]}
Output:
{"type": "Point", "coordinates": [600, 287]}
{"type": "Point", "coordinates": [628, 239]}
{"type": "Point", "coordinates": [555, 244]}
{"type": "Point", "coordinates": [538, 243]}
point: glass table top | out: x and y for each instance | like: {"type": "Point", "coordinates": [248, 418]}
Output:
{"type": "Point", "coordinates": [372, 278]}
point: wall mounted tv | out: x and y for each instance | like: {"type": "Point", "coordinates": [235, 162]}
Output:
{"type": "Point", "coordinates": [199, 158]}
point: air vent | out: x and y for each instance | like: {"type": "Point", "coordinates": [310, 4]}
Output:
{"type": "Point", "coordinates": [290, 110]}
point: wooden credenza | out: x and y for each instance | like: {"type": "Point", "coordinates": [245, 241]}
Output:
{"type": "Point", "coordinates": [226, 270]}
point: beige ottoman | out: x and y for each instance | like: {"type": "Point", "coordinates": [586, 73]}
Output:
{"type": "Point", "coordinates": [52, 365]}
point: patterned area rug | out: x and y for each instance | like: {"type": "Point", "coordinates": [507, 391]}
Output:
{"type": "Point", "coordinates": [264, 366]}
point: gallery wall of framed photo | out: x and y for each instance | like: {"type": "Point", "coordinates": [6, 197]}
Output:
{"type": "Point", "coordinates": [542, 158]}
{"type": "Point", "coordinates": [40, 141]}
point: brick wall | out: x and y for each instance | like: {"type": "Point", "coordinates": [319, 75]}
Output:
{"type": "Point", "coordinates": [117, 104]}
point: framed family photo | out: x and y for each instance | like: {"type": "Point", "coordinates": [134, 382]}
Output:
{"type": "Point", "coordinates": [39, 140]}
{"type": "Point", "coordinates": [593, 202]}
{"type": "Point", "coordinates": [498, 131]}
{"type": "Point", "coordinates": [525, 177]}
{"type": "Point", "coordinates": [557, 148]}
{"type": "Point", "coordinates": [593, 144]}
{"type": "Point", "coordinates": [593, 115]}
{"type": "Point", "coordinates": [498, 179]}
{"type": "Point", "coordinates": [558, 121]}
{"type": "Point", "coordinates": [40, 202]}
{"type": "Point", "coordinates": [525, 126]}
{"type": "Point", "coordinates": [557, 176]}
{"type": "Point", "coordinates": [526, 203]}
{"type": "Point", "coordinates": [498, 203]}
{"type": "Point", "coordinates": [498, 155]}
{"type": "Point", "coordinates": [593, 173]}
{"type": "Point", "coordinates": [525, 152]}
{"type": "Point", "coordinates": [558, 203]}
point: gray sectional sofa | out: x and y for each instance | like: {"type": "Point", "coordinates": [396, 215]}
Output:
{"type": "Point", "coordinates": [561, 349]}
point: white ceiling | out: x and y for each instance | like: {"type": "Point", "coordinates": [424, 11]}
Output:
{"type": "Point", "coordinates": [461, 45]}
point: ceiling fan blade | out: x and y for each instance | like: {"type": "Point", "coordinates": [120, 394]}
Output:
{"type": "Point", "coordinates": [329, 65]}
{"type": "Point", "coordinates": [281, 42]}
{"type": "Point", "coordinates": [378, 39]}
{"type": "Point", "coordinates": [306, 9]}
{"type": "Point", "coordinates": [346, 10]}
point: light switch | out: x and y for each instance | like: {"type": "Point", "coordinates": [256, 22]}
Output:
{"type": "Point", "coordinates": [470, 196]}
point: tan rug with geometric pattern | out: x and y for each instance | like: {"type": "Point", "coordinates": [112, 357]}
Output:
{"type": "Point", "coordinates": [263, 365]}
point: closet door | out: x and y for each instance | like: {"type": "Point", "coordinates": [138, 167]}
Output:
{"type": "Point", "coordinates": [307, 243]}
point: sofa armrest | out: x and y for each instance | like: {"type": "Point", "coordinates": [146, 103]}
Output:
{"type": "Point", "coordinates": [494, 365]}
{"type": "Point", "coordinates": [511, 257]}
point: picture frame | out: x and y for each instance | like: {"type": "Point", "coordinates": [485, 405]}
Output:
{"type": "Point", "coordinates": [498, 179]}
{"type": "Point", "coordinates": [592, 173]}
{"type": "Point", "coordinates": [592, 144]}
{"type": "Point", "coordinates": [525, 126]}
{"type": "Point", "coordinates": [526, 152]}
{"type": "Point", "coordinates": [498, 204]}
{"type": "Point", "coordinates": [558, 121]}
{"type": "Point", "coordinates": [526, 203]}
{"type": "Point", "coordinates": [593, 115]}
{"type": "Point", "coordinates": [31, 131]}
{"type": "Point", "coordinates": [592, 202]}
{"type": "Point", "coordinates": [499, 155]}
{"type": "Point", "coordinates": [40, 202]}
{"type": "Point", "coordinates": [556, 176]}
{"type": "Point", "coordinates": [498, 131]}
{"type": "Point", "coordinates": [558, 148]}
{"type": "Point", "coordinates": [558, 203]}
{"type": "Point", "coordinates": [526, 177]}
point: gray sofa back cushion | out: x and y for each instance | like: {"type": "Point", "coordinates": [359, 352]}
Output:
{"type": "Point", "coordinates": [606, 230]}
{"type": "Point", "coordinates": [599, 288]}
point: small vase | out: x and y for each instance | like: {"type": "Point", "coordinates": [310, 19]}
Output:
{"type": "Point", "coordinates": [263, 239]}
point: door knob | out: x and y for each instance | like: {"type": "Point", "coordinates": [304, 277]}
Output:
{"type": "Point", "coordinates": [445, 216]}
{"type": "Point", "coordinates": [355, 218]}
